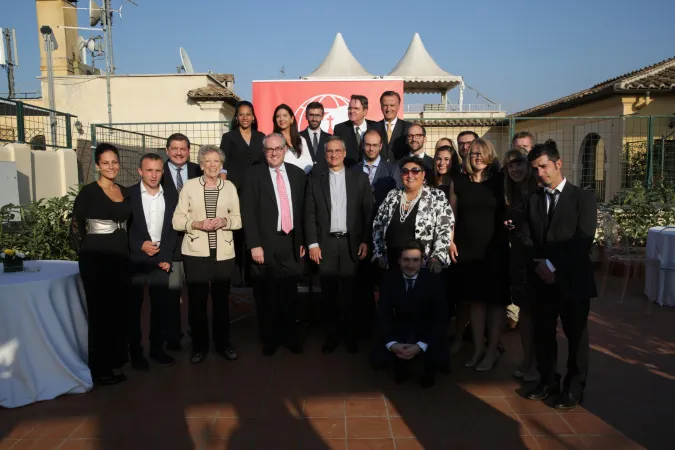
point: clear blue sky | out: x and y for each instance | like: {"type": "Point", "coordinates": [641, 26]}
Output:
{"type": "Point", "coordinates": [519, 53]}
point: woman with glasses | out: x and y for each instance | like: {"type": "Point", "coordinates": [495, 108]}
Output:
{"type": "Point", "coordinates": [298, 151]}
{"type": "Point", "coordinates": [482, 251]}
{"type": "Point", "coordinates": [415, 211]}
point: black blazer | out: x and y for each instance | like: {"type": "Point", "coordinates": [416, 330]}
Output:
{"type": "Point", "coordinates": [387, 177]}
{"type": "Point", "coordinates": [239, 155]}
{"type": "Point", "coordinates": [359, 209]}
{"type": "Point", "coordinates": [259, 209]}
{"type": "Point", "coordinates": [398, 147]}
{"type": "Point", "coordinates": [319, 158]}
{"type": "Point", "coordinates": [567, 241]}
{"type": "Point", "coordinates": [410, 317]}
{"type": "Point", "coordinates": [193, 171]}
{"type": "Point", "coordinates": [346, 131]}
{"type": "Point", "coordinates": [138, 231]}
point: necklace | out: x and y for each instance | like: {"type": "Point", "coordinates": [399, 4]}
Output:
{"type": "Point", "coordinates": [403, 211]}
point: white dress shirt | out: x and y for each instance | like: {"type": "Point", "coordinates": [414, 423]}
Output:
{"type": "Point", "coordinates": [423, 346]}
{"type": "Point", "coordinates": [558, 188]}
{"type": "Point", "coordinates": [153, 209]}
{"type": "Point", "coordinates": [304, 162]}
{"type": "Point", "coordinates": [393, 125]}
{"type": "Point", "coordinates": [362, 128]}
{"type": "Point", "coordinates": [284, 175]}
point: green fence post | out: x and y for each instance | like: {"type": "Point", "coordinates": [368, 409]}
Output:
{"type": "Point", "coordinates": [20, 125]}
{"type": "Point", "coordinates": [512, 129]}
{"type": "Point", "coordinates": [93, 150]}
{"type": "Point", "coordinates": [69, 133]}
{"type": "Point", "coordinates": [143, 142]}
{"type": "Point", "coordinates": [649, 178]}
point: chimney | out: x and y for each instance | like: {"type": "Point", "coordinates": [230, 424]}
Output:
{"type": "Point", "coordinates": [57, 13]}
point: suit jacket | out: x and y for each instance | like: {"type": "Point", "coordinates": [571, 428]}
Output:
{"type": "Point", "coordinates": [239, 155]}
{"type": "Point", "coordinates": [567, 241]}
{"type": "Point", "coordinates": [397, 148]}
{"type": "Point", "coordinates": [193, 171]}
{"type": "Point", "coordinates": [359, 209]}
{"type": "Point", "coordinates": [138, 231]}
{"type": "Point", "coordinates": [319, 158]}
{"type": "Point", "coordinates": [260, 213]}
{"type": "Point", "coordinates": [346, 131]}
{"type": "Point", "coordinates": [387, 177]}
{"type": "Point", "coordinates": [410, 317]}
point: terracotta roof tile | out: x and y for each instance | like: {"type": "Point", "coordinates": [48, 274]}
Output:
{"type": "Point", "coordinates": [214, 93]}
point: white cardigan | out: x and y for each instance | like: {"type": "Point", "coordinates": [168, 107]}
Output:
{"type": "Point", "coordinates": [304, 161]}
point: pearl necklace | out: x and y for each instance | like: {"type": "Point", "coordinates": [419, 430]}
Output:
{"type": "Point", "coordinates": [403, 212]}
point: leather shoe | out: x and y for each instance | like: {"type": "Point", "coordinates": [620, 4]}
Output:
{"type": "Point", "coordinates": [269, 349]}
{"type": "Point", "coordinates": [197, 357]}
{"type": "Point", "coordinates": [227, 353]}
{"type": "Point", "coordinates": [294, 348]}
{"type": "Point", "coordinates": [138, 362]}
{"type": "Point", "coordinates": [567, 400]}
{"type": "Point", "coordinates": [543, 391]}
{"type": "Point", "coordinates": [400, 374]}
{"type": "Point", "coordinates": [162, 358]}
{"type": "Point", "coordinates": [330, 345]}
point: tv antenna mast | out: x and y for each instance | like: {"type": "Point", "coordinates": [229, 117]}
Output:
{"type": "Point", "coordinates": [9, 56]}
{"type": "Point", "coordinates": [282, 72]}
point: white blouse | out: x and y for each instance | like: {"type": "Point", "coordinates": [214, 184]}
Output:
{"type": "Point", "coordinates": [304, 161]}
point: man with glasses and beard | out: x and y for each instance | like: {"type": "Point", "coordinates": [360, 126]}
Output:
{"type": "Point", "coordinates": [315, 136]}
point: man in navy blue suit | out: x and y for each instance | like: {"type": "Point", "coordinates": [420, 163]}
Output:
{"type": "Point", "coordinates": [152, 241]}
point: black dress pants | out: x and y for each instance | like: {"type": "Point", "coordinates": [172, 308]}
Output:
{"type": "Point", "coordinates": [207, 276]}
{"type": "Point", "coordinates": [276, 292]}
{"type": "Point", "coordinates": [436, 357]}
{"type": "Point", "coordinates": [337, 273]}
{"type": "Point", "coordinates": [157, 281]}
{"type": "Point", "coordinates": [573, 313]}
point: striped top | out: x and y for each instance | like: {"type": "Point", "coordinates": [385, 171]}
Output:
{"type": "Point", "coordinates": [211, 201]}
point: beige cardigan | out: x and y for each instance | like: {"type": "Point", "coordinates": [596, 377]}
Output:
{"type": "Point", "coordinates": [191, 207]}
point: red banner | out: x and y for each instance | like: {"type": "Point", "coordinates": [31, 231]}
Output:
{"type": "Point", "coordinates": [333, 95]}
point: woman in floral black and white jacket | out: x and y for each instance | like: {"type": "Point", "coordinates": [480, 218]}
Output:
{"type": "Point", "coordinates": [415, 211]}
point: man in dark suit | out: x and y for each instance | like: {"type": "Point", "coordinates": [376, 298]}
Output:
{"type": "Point", "coordinates": [272, 201]}
{"type": "Point", "coordinates": [383, 176]}
{"type": "Point", "coordinates": [561, 223]}
{"type": "Point", "coordinates": [411, 317]}
{"type": "Point", "coordinates": [315, 136]}
{"type": "Point", "coordinates": [394, 131]}
{"type": "Point", "coordinates": [338, 222]}
{"type": "Point", "coordinates": [355, 128]}
{"type": "Point", "coordinates": [152, 240]}
{"type": "Point", "coordinates": [417, 138]}
{"type": "Point", "coordinates": [177, 170]}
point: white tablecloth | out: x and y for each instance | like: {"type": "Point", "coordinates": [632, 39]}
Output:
{"type": "Point", "coordinates": [43, 334]}
{"type": "Point", "coordinates": [660, 276]}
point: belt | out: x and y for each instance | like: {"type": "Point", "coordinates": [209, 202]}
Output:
{"type": "Point", "coordinates": [98, 226]}
{"type": "Point", "coordinates": [338, 235]}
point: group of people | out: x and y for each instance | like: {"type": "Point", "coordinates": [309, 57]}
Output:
{"type": "Point", "coordinates": [458, 235]}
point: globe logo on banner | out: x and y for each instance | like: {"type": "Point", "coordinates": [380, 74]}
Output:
{"type": "Point", "coordinates": [335, 111]}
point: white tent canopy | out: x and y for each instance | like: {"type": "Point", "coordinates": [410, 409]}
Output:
{"type": "Point", "coordinates": [420, 73]}
{"type": "Point", "coordinates": [340, 63]}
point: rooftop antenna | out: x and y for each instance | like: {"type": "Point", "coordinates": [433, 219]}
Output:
{"type": "Point", "coordinates": [186, 64]}
{"type": "Point", "coordinates": [9, 56]}
{"type": "Point", "coordinates": [282, 72]}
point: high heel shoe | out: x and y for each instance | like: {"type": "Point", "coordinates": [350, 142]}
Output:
{"type": "Point", "coordinates": [518, 374]}
{"type": "Point", "coordinates": [475, 360]}
{"type": "Point", "coordinates": [486, 367]}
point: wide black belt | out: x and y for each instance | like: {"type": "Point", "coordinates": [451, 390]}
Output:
{"type": "Point", "coordinates": [338, 235]}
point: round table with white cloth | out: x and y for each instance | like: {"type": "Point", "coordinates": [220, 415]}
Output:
{"type": "Point", "coordinates": [660, 267]}
{"type": "Point", "coordinates": [43, 333]}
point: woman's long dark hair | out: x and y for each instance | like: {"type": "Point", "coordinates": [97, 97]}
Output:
{"type": "Point", "coordinates": [454, 166]}
{"type": "Point", "coordinates": [235, 121]}
{"type": "Point", "coordinates": [296, 140]}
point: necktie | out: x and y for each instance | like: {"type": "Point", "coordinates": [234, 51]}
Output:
{"type": "Point", "coordinates": [357, 130]}
{"type": "Point", "coordinates": [410, 284]}
{"type": "Point", "coordinates": [315, 143]}
{"type": "Point", "coordinates": [179, 180]}
{"type": "Point", "coordinates": [286, 224]}
{"type": "Point", "coordinates": [552, 196]}
{"type": "Point", "coordinates": [389, 130]}
{"type": "Point", "coordinates": [371, 172]}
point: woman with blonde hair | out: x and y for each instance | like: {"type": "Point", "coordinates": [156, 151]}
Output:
{"type": "Point", "coordinates": [481, 250]}
{"type": "Point", "coordinates": [519, 185]}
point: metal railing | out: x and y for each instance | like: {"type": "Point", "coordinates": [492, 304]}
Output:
{"type": "Point", "coordinates": [452, 107]}
{"type": "Point", "coordinates": [39, 127]}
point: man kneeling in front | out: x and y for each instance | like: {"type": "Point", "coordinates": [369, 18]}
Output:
{"type": "Point", "coordinates": [411, 317]}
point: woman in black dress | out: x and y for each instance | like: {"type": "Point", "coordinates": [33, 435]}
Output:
{"type": "Point", "coordinates": [482, 250]}
{"type": "Point", "coordinates": [98, 234]}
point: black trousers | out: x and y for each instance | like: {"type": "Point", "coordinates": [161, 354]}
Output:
{"type": "Point", "coordinates": [157, 281]}
{"type": "Point", "coordinates": [548, 306]}
{"type": "Point", "coordinates": [275, 287]}
{"type": "Point", "coordinates": [207, 276]}
{"type": "Point", "coordinates": [337, 274]}
{"type": "Point", "coordinates": [367, 279]}
{"type": "Point", "coordinates": [437, 356]}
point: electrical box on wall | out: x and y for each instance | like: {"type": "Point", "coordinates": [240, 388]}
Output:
{"type": "Point", "coordinates": [9, 186]}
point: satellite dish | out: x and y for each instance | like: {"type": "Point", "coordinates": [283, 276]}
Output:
{"type": "Point", "coordinates": [91, 45]}
{"type": "Point", "coordinates": [94, 13]}
{"type": "Point", "coordinates": [185, 60]}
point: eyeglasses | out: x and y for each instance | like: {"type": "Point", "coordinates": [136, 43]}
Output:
{"type": "Point", "coordinates": [274, 149]}
{"type": "Point", "coordinates": [475, 155]}
{"type": "Point", "coordinates": [415, 136]}
{"type": "Point", "coordinates": [415, 171]}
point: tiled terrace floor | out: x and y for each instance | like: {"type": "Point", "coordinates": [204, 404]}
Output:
{"type": "Point", "coordinates": [315, 401]}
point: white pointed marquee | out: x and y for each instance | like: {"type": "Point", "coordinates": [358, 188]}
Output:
{"type": "Point", "coordinates": [339, 63]}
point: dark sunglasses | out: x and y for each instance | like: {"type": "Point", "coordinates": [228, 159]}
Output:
{"type": "Point", "coordinates": [414, 171]}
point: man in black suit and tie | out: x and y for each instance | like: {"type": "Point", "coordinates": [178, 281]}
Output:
{"type": "Point", "coordinates": [394, 131]}
{"type": "Point", "coordinates": [315, 136]}
{"type": "Point", "coordinates": [561, 223]}
{"type": "Point", "coordinates": [411, 317]}
{"type": "Point", "coordinates": [152, 240]}
{"type": "Point", "coordinates": [272, 204]}
{"type": "Point", "coordinates": [355, 128]}
{"type": "Point", "coordinates": [177, 170]}
{"type": "Point", "coordinates": [338, 222]}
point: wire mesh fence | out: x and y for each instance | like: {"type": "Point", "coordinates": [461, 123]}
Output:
{"type": "Point", "coordinates": [39, 127]}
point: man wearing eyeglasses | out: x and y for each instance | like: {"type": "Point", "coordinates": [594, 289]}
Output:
{"type": "Point", "coordinates": [272, 203]}
{"type": "Point", "coordinates": [353, 130]}
{"type": "Point", "coordinates": [417, 137]}
{"type": "Point", "coordinates": [315, 136]}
